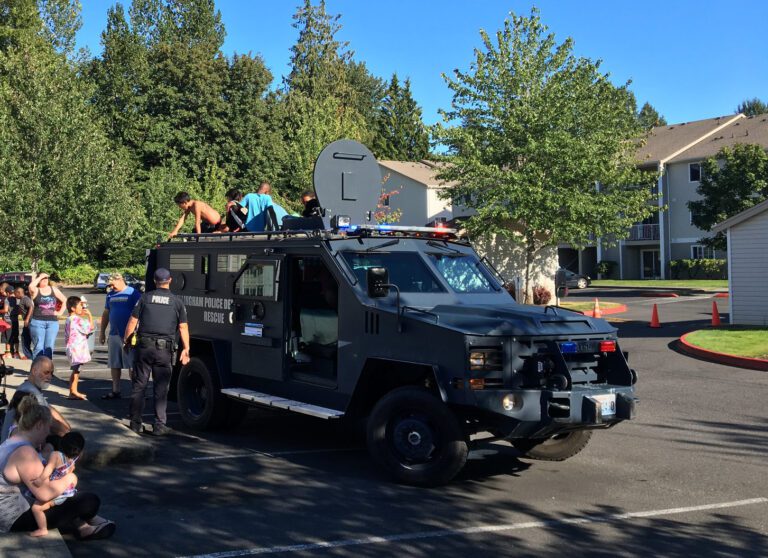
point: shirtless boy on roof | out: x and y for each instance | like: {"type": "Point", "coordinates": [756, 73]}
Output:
{"type": "Point", "coordinates": [206, 218]}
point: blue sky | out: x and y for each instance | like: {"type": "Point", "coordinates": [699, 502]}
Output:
{"type": "Point", "coordinates": [690, 59]}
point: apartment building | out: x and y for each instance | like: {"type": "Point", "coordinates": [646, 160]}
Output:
{"type": "Point", "coordinates": [674, 153]}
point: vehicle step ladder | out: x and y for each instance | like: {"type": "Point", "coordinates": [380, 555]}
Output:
{"type": "Point", "coordinates": [251, 396]}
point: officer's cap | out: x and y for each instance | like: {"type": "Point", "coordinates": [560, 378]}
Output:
{"type": "Point", "coordinates": [116, 276]}
{"type": "Point", "coordinates": [162, 275]}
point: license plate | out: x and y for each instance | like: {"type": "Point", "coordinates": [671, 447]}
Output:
{"type": "Point", "coordinates": [607, 404]}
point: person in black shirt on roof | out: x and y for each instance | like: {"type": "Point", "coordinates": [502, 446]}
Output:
{"type": "Point", "coordinates": [159, 315]}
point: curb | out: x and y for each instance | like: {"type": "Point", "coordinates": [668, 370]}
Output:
{"type": "Point", "coordinates": [722, 358]}
{"type": "Point", "coordinates": [722, 295]}
{"type": "Point", "coordinates": [108, 440]}
{"type": "Point", "coordinates": [21, 545]}
{"type": "Point", "coordinates": [663, 294]}
{"type": "Point", "coordinates": [608, 311]}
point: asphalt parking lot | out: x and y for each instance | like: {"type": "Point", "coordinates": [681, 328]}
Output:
{"type": "Point", "coordinates": [687, 477]}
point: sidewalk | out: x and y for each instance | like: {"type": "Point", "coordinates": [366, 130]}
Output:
{"type": "Point", "coordinates": [107, 441]}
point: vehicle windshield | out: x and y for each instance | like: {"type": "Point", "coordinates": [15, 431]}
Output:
{"type": "Point", "coordinates": [406, 270]}
{"type": "Point", "coordinates": [463, 272]}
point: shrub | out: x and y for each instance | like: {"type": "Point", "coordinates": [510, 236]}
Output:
{"type": "Point", "coordinates": [82, 274]}
{"type": "Point", "coordinates": [541, 295]}
{"type": "Point", "coordinates": [605, 268]}
{"type": "Point", "coordinates": [699, 269]}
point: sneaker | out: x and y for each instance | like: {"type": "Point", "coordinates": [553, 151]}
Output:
{"type": "Point", "coordinates": [161, 430]}
{"type": "Point", "coordinates": [136, 427]}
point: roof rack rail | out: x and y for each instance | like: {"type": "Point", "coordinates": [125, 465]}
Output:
{"type": "Point", "coordinates": [231, 236]}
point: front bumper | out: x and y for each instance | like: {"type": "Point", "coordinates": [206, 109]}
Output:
{"type": "Point", "coordinates": [538, 412]}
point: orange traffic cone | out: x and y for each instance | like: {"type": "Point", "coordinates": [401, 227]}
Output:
{"type": "Point", "coordinates": [655, 317]}
{"type": "Point", "coordinates": [715, 315]}
{"type": "Point", "coordinates": [596, 312]}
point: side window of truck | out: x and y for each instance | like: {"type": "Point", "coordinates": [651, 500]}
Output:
{"type": "Point", "coordinates": [258, 281]}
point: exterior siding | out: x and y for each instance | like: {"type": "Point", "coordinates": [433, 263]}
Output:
{"type": "Point", "coordinates": [749, 269]}
{"type": "Point", "coordinates": [411, 198]}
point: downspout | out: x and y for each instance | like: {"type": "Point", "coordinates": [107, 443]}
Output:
{"type": "Point", "coordinates": [662, 233]}
{"type": "Point", "coordinates": [730, 275]}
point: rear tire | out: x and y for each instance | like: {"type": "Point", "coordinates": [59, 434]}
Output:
{"type": "Point", "coordinates": [557, 448]}
{"type": "Point", "coordinates": [201, 404]}
{"type": "Point", "coordinates": [416, 438]}
{"type": "Point", "coordinates": [582, 283]}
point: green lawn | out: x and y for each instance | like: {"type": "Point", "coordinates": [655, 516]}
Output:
{"type": "Point", "coordinates": [716, 284]}
{"type": "Point", "coordinates": [741, 341]}
{"type": "Point", "coordinates": [583, 306]}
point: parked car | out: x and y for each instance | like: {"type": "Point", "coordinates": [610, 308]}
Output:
{"type": "Point", "coordinates": [17, 278]}
{"type": "Point", "coordinates": [134, 282]}
{"type": "Point", "coordinates": [102, 280]}
{"type": "Point", "coordinates": [576, 280]}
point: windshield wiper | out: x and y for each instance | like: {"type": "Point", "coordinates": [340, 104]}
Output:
{"type": "Point", "coordinates": [383, 245]}
{"type": "Point", "coordinates": [443, 246]}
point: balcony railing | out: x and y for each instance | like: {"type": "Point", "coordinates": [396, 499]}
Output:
{"type": "Point", "coordinates": [644, 232]}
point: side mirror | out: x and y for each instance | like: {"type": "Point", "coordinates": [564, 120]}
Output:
{"type": "Point", "coordinates": [377, 278]}
{"type": "Point", "coordinates": [561, 289]}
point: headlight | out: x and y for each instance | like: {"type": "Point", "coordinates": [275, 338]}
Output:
{"type": "Point", "coordinates": [486, 359]}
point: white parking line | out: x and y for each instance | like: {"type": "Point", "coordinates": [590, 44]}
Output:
{"type": "Point", "coordinates": [477, 530]}
{"type": "Point", "coordinates": [257, 453]}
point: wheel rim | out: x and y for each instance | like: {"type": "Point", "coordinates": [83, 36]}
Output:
{"type": "Point", "coordinates": [196, 395]}
{"type": "Point", "coordinates": [582, 283]}
{"type": "Point", "coordinates": [413, 440]}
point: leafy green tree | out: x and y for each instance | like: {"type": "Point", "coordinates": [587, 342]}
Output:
{"type": "Point", "coordinates": [19, 23]}
{"type": "Point", "coordinates": [752, 107]}
{"type": "Point", "coordinates": [538, 130]}
{"type": "Point", "coordinates": [732, 181]}
{"type": "Point", "coordinates": [649, 117]}
{"type": "Point", "coordinates": [401, 135]}
{"type": "Point", "coordinates": [65, 186]}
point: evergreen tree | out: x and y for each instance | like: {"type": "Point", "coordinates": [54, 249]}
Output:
{"type": "Point", "coordinates": [752, 107]}
{"type": "Point", "coordinates": [648, 117]}
{"type": "Point", "coordinates": [401, 135]}
{"type": "Point", "coordinates": [122, 81]}
{"type": "Point", "coordinates": [324, 98]}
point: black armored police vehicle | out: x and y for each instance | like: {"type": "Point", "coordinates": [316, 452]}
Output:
{"type": "Point", "coordinates": [405, 328]}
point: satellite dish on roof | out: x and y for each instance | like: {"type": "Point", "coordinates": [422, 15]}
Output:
{"type": "Point", "coordinates": [347, 180]}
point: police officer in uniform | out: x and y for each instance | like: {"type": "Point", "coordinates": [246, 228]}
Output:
{"type": "Point", "coordinates": [159, 315]}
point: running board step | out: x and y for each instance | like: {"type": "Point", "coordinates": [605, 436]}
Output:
{"type": "Point", "coordinates": [282, 403]}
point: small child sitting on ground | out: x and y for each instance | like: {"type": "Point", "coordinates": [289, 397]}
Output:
{"type": "Point", "coordinates": [61, 460]}
{"type": "Point", "coordinates": [77, 329]}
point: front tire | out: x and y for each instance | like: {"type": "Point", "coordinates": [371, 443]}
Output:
{"type": "Point", "coordinates": [416, 438]}
{"type": "Point", "coordinates": [557, 448]}
{"type": "Point", "coordinates": [201, 404]}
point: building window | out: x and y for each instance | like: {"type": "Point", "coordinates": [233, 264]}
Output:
{"type": "Point", "coordinates": [699, 252]}
{"type": "Point", "coordinates": [694, 172]}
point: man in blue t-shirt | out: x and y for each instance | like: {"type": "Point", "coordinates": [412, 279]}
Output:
{"type": "Point", "coordinates": [117, 311]}
{"type": "Point", "coordinates": [257, 204]}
